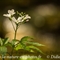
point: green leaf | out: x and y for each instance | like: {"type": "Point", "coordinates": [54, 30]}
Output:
{"type": "Point", "coordinates": [3, 50]}
{"type": "Point", "coordinates": [35, 43]}
{"type": "Point", "coordinates": [29, 49]}
{"type": "Point", "coordinates": [35, 48]}
{"type": "Point", "coordinates": [13, 42]}
{"type": "Point", "coordinates": [9, 44]}
{"type": "Point", "coordinates": [6, 40]}
{"type": "Point", "coordinates": [26, 39]}
{"type": "Point", "coordinates": [19, 46]}
{"type": "Point", "coordinates": [1, 42]}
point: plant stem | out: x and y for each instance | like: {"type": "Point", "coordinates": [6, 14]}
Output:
{"type": "Point", "coordinates": [13, 25]}
{"type": "Point", "coordinates": [15, 31]}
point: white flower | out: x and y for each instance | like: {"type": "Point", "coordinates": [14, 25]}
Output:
{"type": "Point", "coordinates": [10, 13]}
{"type": "Point", "coordinates": [17, 20]}
{"type": "Point", "coordinates": [27, 17]}
{"type": "Point", "coordinates": [7, 15]}
{"type": "Point", "coordinates": [21, 19]}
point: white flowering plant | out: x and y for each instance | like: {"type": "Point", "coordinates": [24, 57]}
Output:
{"type": "Point", "coordinates": [25, 43]}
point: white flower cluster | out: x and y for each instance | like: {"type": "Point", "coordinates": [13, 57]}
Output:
{"type": "Point", "coordinates": [19, 19]}
{"type": "Point", "coordinates": [10, 13]}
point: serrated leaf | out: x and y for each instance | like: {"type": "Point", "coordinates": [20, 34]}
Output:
{"type": "Point", "coordinates": [1, 42]}
{"type": "Point", "coordinates": [33, 47]}
{"type": "Point", "coordinates": [25, 39]}
{"type": "Point", "coordinates": [35, 43]}
{"type": "Point", "coordinates": [3, 50]}
{"type": "Point", "coordinates": [29, 49]}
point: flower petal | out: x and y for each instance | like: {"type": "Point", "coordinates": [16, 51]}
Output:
{"type": "Point", "coordinates": [11, 12]}
{"type": "Point", "coordinates": [19, 19]}
{"type": "Point", "coordinates": [7, 15]}
{"type": "Point", "coordinates": [27, 17]}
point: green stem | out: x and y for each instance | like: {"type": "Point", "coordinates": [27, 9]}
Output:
{"type": "Point", "coordinates": [13, 25]}
{"type": "Point", "coordinates": [15, 31]}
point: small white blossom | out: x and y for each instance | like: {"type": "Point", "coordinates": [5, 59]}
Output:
{"type": "Point", "coordinates": [10, 13]}
{"type": "Point", "coordinates": [7, 15]}
{"type": "Point", "coordinates": [27, 17]}
{"type": "Point", "coordinates": [21, 19]}
{"type": "Point", "coordinates": [17, 20]}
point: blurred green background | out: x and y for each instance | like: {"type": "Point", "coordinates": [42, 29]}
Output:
{"type": "Point", "coordinates": [44, 25]}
